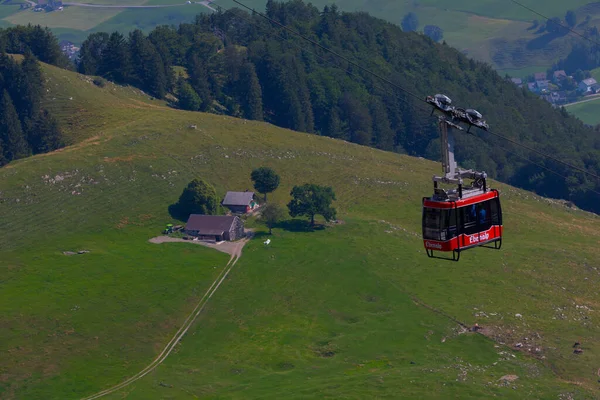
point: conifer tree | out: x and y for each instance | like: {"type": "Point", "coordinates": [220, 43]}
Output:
{"type": "Point", "coordinates": [199, 81]}
{"type": "Point", "coordinates": [91, 53]}
{"type": "Point", "coordinates": [29, 87]}
{"type": "Point", "coordinates": [250, 93]}
{"type": "Point", "coordinates": [383, 135]}
{"type": "Point", "coordinates": [187, 98]}
{"type": "Point", "coordinates": [150, 72]}
{"type": "Point", "coordinates": [333, 127]}
{"type": "Point", "coordinates": [11, 133]}
{"type": "Point", "coordinates": [116, 64]}
{"type": "Point", "coordinates": [45, 134]}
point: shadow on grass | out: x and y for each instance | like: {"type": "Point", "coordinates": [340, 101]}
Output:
{"type": "Point", "coordinates": [543, 41]}
{"type": "Point", "coordinates": [299, 225]}
{"type": "Point", "coordinates": [176, 213]}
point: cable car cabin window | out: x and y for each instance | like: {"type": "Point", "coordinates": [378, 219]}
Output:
{"type": "Point", "coordinates": [479, 217]}
{"type": "Point", "coordinates": [496, 213]}
{"type": "Point", "coordinates": [439, 224]}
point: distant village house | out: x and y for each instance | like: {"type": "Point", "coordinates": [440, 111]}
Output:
{"type": "Point", "coordinates": [539, 76]}
{"type": "Point", "coordinates": [588, 86]}
{"type": "Point", "coordinates": [240, 202]}
{"type": "Point", "coordinates": [215, 228]}
{"type": "Point", "coordinates": [542, 85]}
{"type": "Point", "coordinates": [558, 76]}
{"type": "Point", "coordinates": [49, 5]}
{"type": "Point", "coordinates": [69, 49]}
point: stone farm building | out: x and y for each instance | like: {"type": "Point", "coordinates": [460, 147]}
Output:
{"type": "Point", "coordinates": [240, 202]}
{"type": "Point", "coordinates": [215, 227]}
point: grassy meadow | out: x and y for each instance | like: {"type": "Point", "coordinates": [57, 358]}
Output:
{"type": "Point", "coordinates": [587, 111]}
{"type": "Point", "coordinates": [355, 310]}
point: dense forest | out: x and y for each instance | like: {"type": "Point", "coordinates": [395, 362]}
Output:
{"type": "Point", "coordinates": [36, 40]}
{"type": "Point", "coordinates": [239, 64]}
{"type": "Point", "coordinates": [25, 127]}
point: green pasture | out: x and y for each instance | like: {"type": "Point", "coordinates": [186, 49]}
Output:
{"type": "Point", "coordinates": [355, 310]}
{"type": "Point", "coordinates": [588, 112]}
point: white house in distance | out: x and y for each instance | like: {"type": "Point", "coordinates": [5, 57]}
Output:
{"type": "Point", "coordinates": [587, 85]}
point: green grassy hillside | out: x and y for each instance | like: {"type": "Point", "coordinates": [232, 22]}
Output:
{"type": "Point", "coordinates": [352, 311]}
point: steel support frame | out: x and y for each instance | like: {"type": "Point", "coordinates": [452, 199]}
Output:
{"type": "Point", "coordinates": [453, 174]}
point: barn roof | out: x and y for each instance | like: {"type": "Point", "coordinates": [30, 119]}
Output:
{"type": "Point", "coordinates": [238, 198]}
{"type": "Point", "coordinates": [209, 224]}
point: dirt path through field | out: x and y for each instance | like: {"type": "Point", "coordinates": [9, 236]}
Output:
{"type": "Point", "coordinates": [236, 251]}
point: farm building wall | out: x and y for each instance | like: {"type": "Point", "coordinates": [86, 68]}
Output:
{"type": "Point", "coordinates": [216, 238]}
{"type": "Point", "coordinates": [238, 209]}
{"type": "Point", "coordinates": [236, 231]}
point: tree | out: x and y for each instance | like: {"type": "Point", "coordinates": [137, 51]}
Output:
{"type": "Point", "coordinates": [571, 18]}
{"type": "Point", "coordinates": [310, 200]}
{"type": "Point", "coordinates": [187, 98]}
{"type": "Point", "coordinates": [250, 93]}
{"type": "Point", "coordinates": [199, 197]}
{"type": "Point", "coordinates": [91, 53]}
{"type": "Point", "coordinates": [434, 32]}
{"type": "Point", "coordinates": [271, 214]}
{"type": "Point", "coordinates": [410, 22]}
{"type": "Point", "coordinates": [116, 64]}
{"type": "Point", "coordinates": [265, 180]}
{"type": "Point", "coordinates": [383, 135]}
{"type": "Point", "coordinates": [149, 66]}
{"type": "Point", "coordinates": [45, 133]}
{"type": "Point", "coordinates": [11, 133]}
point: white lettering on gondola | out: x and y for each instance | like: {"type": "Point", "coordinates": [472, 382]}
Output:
{"type": "Point", "coordinates": [433, 245]}
{"type": "Point", "coordinates": [479, 237]}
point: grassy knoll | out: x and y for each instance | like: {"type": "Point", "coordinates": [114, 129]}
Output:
{"type": "Point", "coordinates": [85, 108]}
{"type": "Point", "coordinates": [587, 111]}
{"type": "Point", "coordinates": [338, 312]}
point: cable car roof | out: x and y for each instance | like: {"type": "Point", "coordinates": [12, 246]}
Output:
{"type": "Point", "coordinates": [427, 202]}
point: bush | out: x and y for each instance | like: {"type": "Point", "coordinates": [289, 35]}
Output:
{"type": "Point", "coordinates": [100, 82]}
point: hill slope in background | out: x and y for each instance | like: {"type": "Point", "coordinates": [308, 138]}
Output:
{"type": "Point", "coordinates": [240, 65]}
{"type": "Point", "coordinates": [354, 310]}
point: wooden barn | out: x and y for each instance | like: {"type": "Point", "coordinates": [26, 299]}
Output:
{"type": "Point", "coordinates": [215, 227]}
{"type": "Point", "coordinates": [240, 202]}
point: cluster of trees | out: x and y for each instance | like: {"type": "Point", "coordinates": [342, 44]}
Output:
{"type": "Point", "coordinates": [25, 127]}
{"type": "Point", "coordinates": [559, 26]}
{"type": "Point", "coordinates": [582, 58]}
{"type": "Point", "coordinates": [410, 23]}
{"type": "Point", "coordinates": [34, 39]}
{"type": "Point", "coordinates": [134, 60]}
{"type": "Point", "coordinates": [309, 200]}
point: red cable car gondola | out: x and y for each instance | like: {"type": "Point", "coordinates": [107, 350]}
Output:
{"type": "Point", "coordinates": [468, 216]}
{"type": "Point", "coordinates": [453, 226]}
